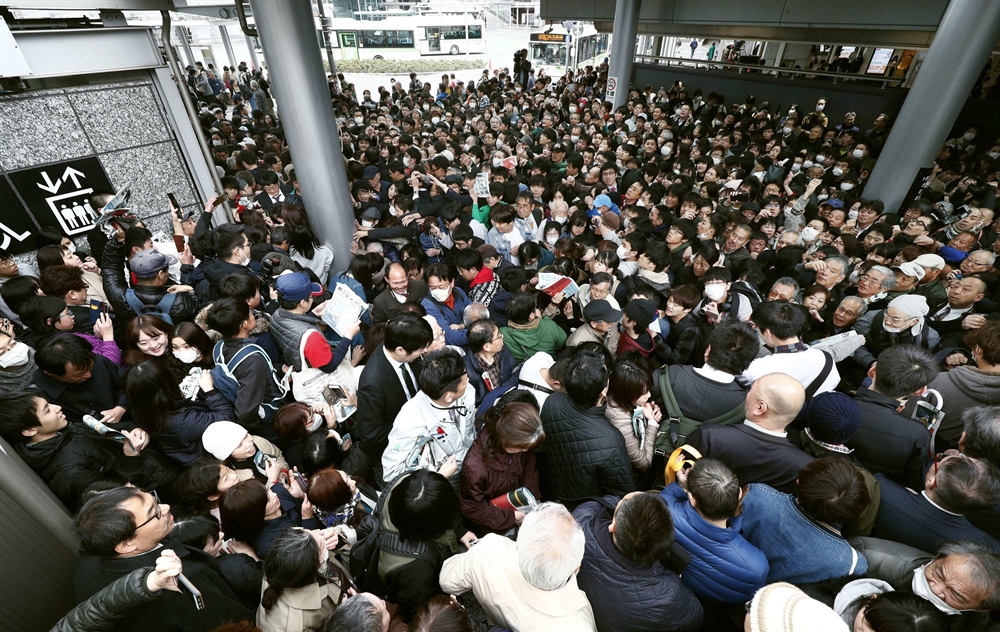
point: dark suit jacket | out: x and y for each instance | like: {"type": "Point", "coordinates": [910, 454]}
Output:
{"type": "Point", "coordinates": [380, 397]}
{"type": "Point", "coordinates": [912, 520]}
{"type": "Point", "coordinates": [889, 443]}
{"type": "Point", "coordinates": [265, 200]}
{"type": "Point", "coordinates": [385, 305]}
{"type": "Point", "coordinates": [754, 456]}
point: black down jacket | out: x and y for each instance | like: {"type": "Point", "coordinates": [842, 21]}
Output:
{"type": "Point", "coordinates": [109, 605]}
{"type": "Point", "coordinates": [626, 596]}
{"type": "Point", "coordinates": [185, 306]}
{"type": "Point", "coordinates": [584, 454]}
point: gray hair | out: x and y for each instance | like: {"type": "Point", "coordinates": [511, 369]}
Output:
{"type": "Point", "coordinates": [798, 236]}
{"type": "Point", "coordinates": [990, 257]}
{"type": "Point", "coordinates": [474, 312]}
{"type": "Point", "coordinates": [862, 305]}
{"type": "Point", "coordinates": [357, 614]}
{"type": "Point", "coordinates": [982, 433]}
{"type": "Point", "coordinates": [789, 281]}
{"type": "Point", "coordinates": [549, 546]}
{"type": "Point", "coordinates": [841, 259]}
{"type": "Point", "coordinates": [890, 277]}
{"type": "Point", "coordinates": [984, 566]}
{"type": "Point", "coordinates": [253, 84]}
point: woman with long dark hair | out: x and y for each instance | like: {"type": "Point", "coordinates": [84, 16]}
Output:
{"type": "Point", "coordinates": [340, 501]}
{"type": "Point", "coordinates": [148, 337]}
{"type": "Point", "coordinates": [255, 515]}
{"type": "Point", "coordinates": [501, 460]}
{"type": "Point", "coordinates": [302, 587]}
{"type": "Point", "coordinates": [631, 411]}
{"type": "Point", "coordinates": [175, 423]}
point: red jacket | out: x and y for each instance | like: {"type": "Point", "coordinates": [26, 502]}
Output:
{"type": "Point", "coordinates": [628, 343]}
{"type": "Point", "coordinates": [484, 479]}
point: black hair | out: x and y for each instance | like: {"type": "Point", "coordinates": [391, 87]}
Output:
{"type": "Point", "coordinates": [423, 505]}
{"type": "Point", "coordinates": [512, 279]}
{"type": "Point", "coordinates": [36, 311]}
{"type": "Point", "coordinates": [20, 413]}
{"type": "Point", "coordinates": [242, 286]}
{"type": "Point", "coordinates": [441, 373]}
{"type": "Point", "coordinates": [103, 523]}
{"type": "Point", "coordinates": [783, 319]}
{"type": "Point", "coordinates": [153, 394]}
{"type": "Point", "coordinates": [900, 370]}
{"type": "Point", "coordinates": [291, 562]}
{"type": "Point", "coordinates": [520, 308]}
{"type": "Point", "coordinates": [715, 488]}
{"type": "Point", "coordinates": [644, 530]}
{"type": "Point", "coordinates": [441, 271]}
{"type": "Point", "coordinates": [198, 531]}
{"type": "Point", "coordinates": [586, 378]}
{"type": "Point", "coordinates": [226, 315]}
{"type": "Point", "coordinates": [480, 333]}
{"type": "Point", "coordinates": [56, 352]}
{"type": "Point", "coordinates": [468, 259]}
{"type": "Point", "coordinates": [228, 237]}
{"type": "Point", "coordinates": [409, 331]}
{"type": "Point", "coordinates": [17, 290]}
{"type": "Point", "coordinates": [734, 345]}
{"type": "Point", "coordinates": [832, 490]}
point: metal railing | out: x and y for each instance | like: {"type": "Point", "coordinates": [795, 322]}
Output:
{"type": "Point", "coordinates": [773, 71]}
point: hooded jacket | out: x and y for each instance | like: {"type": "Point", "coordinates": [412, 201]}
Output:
{"type": "Point", "coordinates": [630, 596]}
{"type": "Point", "coordinates": [962, 388]}
{"type": "Point", "coordinates": [484, 478]}
{"type": "Point", "coordinates": [540, 334]}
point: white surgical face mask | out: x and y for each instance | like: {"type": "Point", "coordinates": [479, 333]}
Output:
{"type": "Point", "coordinates": [406, 161]}
{"type": "Point", "coordinates": [969, 136]}
{"type": "Point", "coordinates": [852, 214]}
{"type": "Point", "coordinates": [71, 247]}
{"type": "Point", "coordinates": [819, 108]}
{"type": "Point", "coordinates": [497, 163]}
{"type": "Point", "coordinates": [820, 159]}
{"type": "Point", "coordinates": [715, 291]}
{"type": "Point", "coordinates": [809, 233]}
{"type": "Point", "coordinates": [435, 120]}
{"type": "Point", "coordinates": [796, 167]}
{"type": "Point", "coordinates": [217, 143]}
{"type": "Point", "coordinates": [187, 356]}
{"type": "Point", "coordinates": [857, 153]}
{"type": "Point", "coordinates": [787, 130]}
{"type": "Point", "coordinates": [440, 295]}
{"type": "Point", "coordinates": [367, 223]}
{"type": "Point", "coordinates": [921, 588]}
{"type": "Point", "coordinates": [994, 154]}
{"type": "Point", "coordinates": [665, 150]}
{"type": "Point", "coordinates": [846, 186]}
{"type": "Point", "coordinates": [572, 109]}
{"type": "Point", "coordinates": [316, 424]}
{"type": "Point", "coordinates": [359, 120]}
{"type": "Point", "coordinates": [822, 196]}
{"type": "Point", "coordinates": [17, 355]}
{"type": "Point", "coordinates": [716, 160]}
{"type": "Point", "coordinates": [574, 137]}
{"type": "Point", "coordinates": [891, 329]}
{"type": "Point", "coordinates": [837, 171]}
{"type": "Point", "coordinates": [806, 164]}
{"type": "Point", "coordinates": [426, 106]}
{"type": "Point", "coordinates": [552, 239]}
{"type": "Point", "coordinates": [621, 252]}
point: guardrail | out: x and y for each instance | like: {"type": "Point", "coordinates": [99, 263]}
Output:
{"type": "Point", "coordinates": [767, 70]}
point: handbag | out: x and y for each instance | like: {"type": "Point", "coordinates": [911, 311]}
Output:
{"type": "Point", "coordinates": [309, 384]}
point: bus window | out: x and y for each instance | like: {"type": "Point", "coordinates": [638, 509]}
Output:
{"type": "Point", "coordinates": [475, 31]}
{"type": "Point", "coordinates": [385, 39]}
{"type": "Point", "coordinates": [549, 54]}
{"type": "Point", "coordinates": [453, 32]}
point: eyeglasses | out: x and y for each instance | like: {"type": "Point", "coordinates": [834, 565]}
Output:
{"type": "Point", "coordinates": [918, 221]}
{"type": "Point", "coordinates": [157, 513]}
{"type": "Point", "coordinates": [499, 336]}
{"type": "Point", "coordinates": [941, 457]}
{"type": "Point", "coordinates": [896, 319]}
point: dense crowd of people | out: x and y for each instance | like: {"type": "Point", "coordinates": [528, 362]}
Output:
{"type": "Point", "coordinates": [660, 367]}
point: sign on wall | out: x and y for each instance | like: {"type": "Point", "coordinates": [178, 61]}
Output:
{"type": "Point", "coordinates": [57, 194]}
{"type": "Point", "coordinates": [17, 231]}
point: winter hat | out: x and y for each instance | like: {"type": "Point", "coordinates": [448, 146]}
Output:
{"type": "Point", "coordinates": [641, 311]}
{"type": "Point", "coordinates": [222, 437]}
{"type": "Point", "coordinates": [781, 607]}
{"type": "Point", "coordinates": [833, 418]}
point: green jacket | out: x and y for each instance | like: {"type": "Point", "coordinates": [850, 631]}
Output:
{"type": "Point", "coordinates": [525, 341]}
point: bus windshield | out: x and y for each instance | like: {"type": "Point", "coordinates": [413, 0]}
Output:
{"type": "Point", "coordinates": [548, 54]}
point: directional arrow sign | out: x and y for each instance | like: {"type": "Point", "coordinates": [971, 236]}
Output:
{"type": "Point", "coordinates": [49, 185]}
{"type": "Point", "coordinates": [17, 230]}
{"type": "Point", "coordinates": [74, 174]}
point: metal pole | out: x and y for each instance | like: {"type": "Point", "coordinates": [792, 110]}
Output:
{"type": "Point", "coordinates": [179, 76]}
{"type": "Point", "coordinates": [253, 53]}
{"type": "Point", "coordinates": [288, 36]}
{"type": "Point", "coordinates": [325, 24]}
{"type": "Point", "coordinates": [623, 51]}
{"type": "Point", "coordinates": [228, 45]}
{"type": "Point", "coordinates": [967, 32]}
{"type": "Point", "coordinates": [182, 36]}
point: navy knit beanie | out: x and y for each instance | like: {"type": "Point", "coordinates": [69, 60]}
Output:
{"type": "Point", "coordinates": [833, 417]}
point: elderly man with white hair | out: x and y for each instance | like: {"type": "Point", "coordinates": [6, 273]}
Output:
{"type": "Point", "coordinates": [530, 585]}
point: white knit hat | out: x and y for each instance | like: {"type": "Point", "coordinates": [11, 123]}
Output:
{"type": "Point", "coordinates": [222, 437]}
{"type": "Point", "coordinates": [782, 607]}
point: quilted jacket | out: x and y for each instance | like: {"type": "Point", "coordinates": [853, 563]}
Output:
{"type": "Point", "coordinates": [626, 596]}
{"type": "Point", "coordinates": [584, 454]}
{"type": "Point", "coordinates": [109, 605]}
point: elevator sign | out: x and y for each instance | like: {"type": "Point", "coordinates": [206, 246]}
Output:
{"type": "Point", "coordinates": [58, 194]}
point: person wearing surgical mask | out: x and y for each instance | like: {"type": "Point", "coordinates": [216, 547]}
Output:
{"type": "Point", "coordinates": [446, 303]}
{"type": "Point", "coordinates": [961, 578]}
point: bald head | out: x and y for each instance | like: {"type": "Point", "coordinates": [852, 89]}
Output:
{"type": "Point", "coordinates": [774, 400]}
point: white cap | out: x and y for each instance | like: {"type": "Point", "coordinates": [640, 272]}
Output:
{"type": "Point", "coordinates": [930, 261]}
{"type": "Point", "coordinates": [913, 269]}
{"type": "Point", "coordinates": [222, 437]}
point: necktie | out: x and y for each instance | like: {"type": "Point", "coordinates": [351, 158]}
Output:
{"type": "Point", "coordinates": [411, 390]}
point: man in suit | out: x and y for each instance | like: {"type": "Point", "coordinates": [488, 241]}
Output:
{"type": "Point", "coordinates": [950, 319]}
{"type": "Point", "coordinates": [890, 443]}
{"type": "Point", "coordinates": [955, 486]}
{"type": "Point", "coordinates": [758, 450]}
{"type": "Point", "coordinates": [273, 197]}
{"type": "Point", "coordinates": [388, 381]}
{"type": "Point", "coordinates": [401, 290]}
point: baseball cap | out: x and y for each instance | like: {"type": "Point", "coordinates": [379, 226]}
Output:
{"type": "Point", "coordinates": [370, 172]}
{"type": "Point", "coordinates": [146, 264]}
{"type": "Point", "coordinates": [453, 179]}
{"type": "Point", "coordinates": [371, 213]}
{"type": "Point", "coordinates": [487, 251]}
{"type": "Point", "coordinates": [912, 269]}
{"type": "Point", "coordinates": [930, 261]}
{"type": "Point", "coordinates": [297, 286]}
{"type": "Point", "coordinates": [601, 310]}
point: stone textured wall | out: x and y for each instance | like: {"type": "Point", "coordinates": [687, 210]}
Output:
{"type": "Point", "coordinates": [123, 124]}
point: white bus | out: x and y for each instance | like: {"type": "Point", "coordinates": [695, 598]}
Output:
{"type": "Point", "coordinates": [555, 50]}
{"type": "Point", "coordinates": [408, 37]}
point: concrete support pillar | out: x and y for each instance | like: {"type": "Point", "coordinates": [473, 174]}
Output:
{"type": "Point", "coordinates": [252, 47]}
{"type": "Point", "coordinates": [964, 38]}
{"type": "Point", "coordinates": [182, 36]}
{"type": "Point", "coordinates": [229, 45]}
{"type": "Point", "coordinates": [780, 55]}
{"type": "Point", "coordinates": [288, 36]}
{"type": "Point", "coordinates": [623, 50]}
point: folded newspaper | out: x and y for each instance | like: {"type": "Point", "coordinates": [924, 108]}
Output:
{"type": "Point", "coordinates": [553, 284]}
{"type": "Point", "coordinates": [343, 309]}
{"type": "Point", "coordinates": [840, 346]}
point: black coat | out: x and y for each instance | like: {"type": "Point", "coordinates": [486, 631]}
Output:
{"type": "Point", "coordinates": [627, 596]}
{"type": "Point", "coordinates": [185, 306]}
{"type": "Point", "coordinates": [754, 456]}
{"type": "Point", "coordinates": [889, 443]}
{"type": "Point", "coordinates": [79, 456]}
{"type": "Point", "coordinates": [584, 454]}
{"type": "Point", "coordinates": [380, 397]}
{"type": "Point", "coordinates": [102, 391]}
{"type": "Point", "coordinates": [180, 438]}
{"type": "Point", "coordinates": [216, 271]}
{"type": "Point", "coordinates": [507, 365]}
{"type": "Point", "coordinates": [172, 611]}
